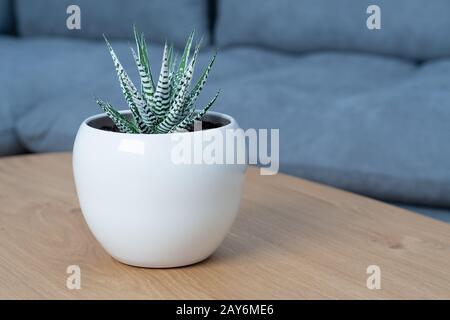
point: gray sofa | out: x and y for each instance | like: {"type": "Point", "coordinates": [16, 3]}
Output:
{"type": "Point", "coordinates": [359, 109]}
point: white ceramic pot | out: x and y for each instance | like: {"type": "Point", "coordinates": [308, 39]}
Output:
{"type": "Point", "coordinates": [145, 209]}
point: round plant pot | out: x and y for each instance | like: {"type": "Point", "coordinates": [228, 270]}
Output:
{"type": "Point", "coordinates": [147, 209]}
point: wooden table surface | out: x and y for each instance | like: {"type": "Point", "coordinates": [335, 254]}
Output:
{"type": "Point", "coordinates": [293, 239]}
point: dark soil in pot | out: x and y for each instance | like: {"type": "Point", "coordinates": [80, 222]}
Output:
{"type": "Point", "coordinates": [210, 121]}
{"type": "Point", "coordinates": [205, 126]}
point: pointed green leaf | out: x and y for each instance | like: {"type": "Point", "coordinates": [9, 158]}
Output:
{"type": "Point", "coordinates": [162, 97]}
{"type": "Point", "coordinates": [186, 53]}
{"type": "Point", "coordinates": [132, 96]}
{"type": "Point", "coordinates": [141, 59]}
{"type": "Point", "coordinates": [119, 120]}
{"type": "Point", "coordinates": [200, 114]}
{"type": "Point", "coordinates": [193, 116]}
{"type": "Point", "coordinates": [201, 82]}
{"type": "Point", "coordinates": [177, 109]}
{"type": "Point", "coordinates": [178, 74]}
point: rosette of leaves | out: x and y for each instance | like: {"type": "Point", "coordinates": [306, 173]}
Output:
{"type": "Point", "coordinates": [170, 104]}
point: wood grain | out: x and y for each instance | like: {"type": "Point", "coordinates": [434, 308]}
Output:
{"type": "Point", "coordinates": [293, 239]}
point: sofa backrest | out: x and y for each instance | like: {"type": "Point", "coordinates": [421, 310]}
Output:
{"type": "Point", "coordinates": [160, 20]}
{"type": "Point", "coordinates": [6, 16]}
{"type": "Point", "coordinates": [416, 29]}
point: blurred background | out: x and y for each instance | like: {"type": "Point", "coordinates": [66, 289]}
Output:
{"type": "Point", "coordinates": [360, 108]}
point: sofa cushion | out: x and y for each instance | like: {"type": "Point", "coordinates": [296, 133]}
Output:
{"type": "Point", "coordinates": [6, 16]}
{"type": "Point", "coordinates": [242, 61]}
{"type": "Point", "coordinates": [160, 20]}
{"type": "Point", "coordinates": [414, 29]}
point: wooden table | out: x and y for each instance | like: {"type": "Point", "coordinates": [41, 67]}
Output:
{"type": "Point", "coordinates": [293, 239]}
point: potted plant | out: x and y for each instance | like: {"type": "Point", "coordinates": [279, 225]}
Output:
{"type": "Point", "coordinates": [145, 209]}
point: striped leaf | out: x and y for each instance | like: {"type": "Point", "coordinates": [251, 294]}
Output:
{"type": "Point", "coordinates": [144, 128]}
{"type": "Point", "coordinates": [140, 112]}
{"type": "Point", "coordinates": [143, 65]}
{"type": "Point", "coordinates": [200, 84]}
{"type": "Point", "coordinates": [179, 84]}
{"type": "Point", "coordinates": [187, 122]}
{"type": "Point", "coordinates": [176, 110]}
{"type": "Point", "coordinates": [162, 98]}
{"type": "Point", "coordinates": [149, 103]}
{"type": "Point", "coordinates": [184, 124]}
{"type": "Point", "coordinates": [200, 114]}
{"type": "Point", "coordinates": [178, 74]}
{"type": "Point", "coordinates": [124, 125]}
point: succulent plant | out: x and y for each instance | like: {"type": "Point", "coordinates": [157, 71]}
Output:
{"type": "Point", "coordinates": [170, 105]}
